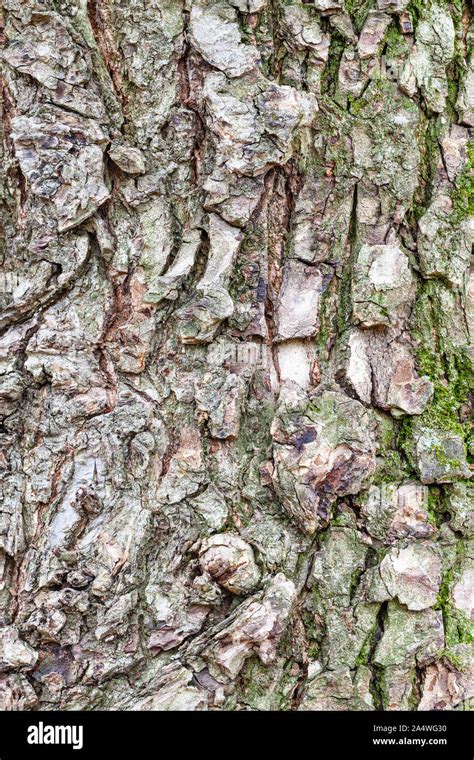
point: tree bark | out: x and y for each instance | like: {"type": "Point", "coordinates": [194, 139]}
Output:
{"type": "Point", "coordinates": [236, 355]}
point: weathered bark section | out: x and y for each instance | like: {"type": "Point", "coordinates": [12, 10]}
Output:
{"type": "Point", "coordinates": [235, 355]}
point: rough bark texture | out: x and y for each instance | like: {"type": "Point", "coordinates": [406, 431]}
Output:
{"type": "Point", "coordinates": [235, 355]}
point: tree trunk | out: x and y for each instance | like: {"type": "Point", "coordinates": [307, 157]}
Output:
{"type": "Point", "coordinates": [236, 355]}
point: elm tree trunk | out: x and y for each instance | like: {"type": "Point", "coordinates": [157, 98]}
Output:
{"type": "Point", "coordinates": [236, 355]}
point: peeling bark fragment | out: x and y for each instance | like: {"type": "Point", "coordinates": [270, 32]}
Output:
{"type": "Point", "coordinates": [296, 362]}
{"type": "Point", "coordinates": [168, 284]}
{"type": "Point", "coordinates": [254, 628]}
{"type": "Point", "coordinates": [47, 624]}
{"type": "Point", "coordinates": [322, 449]}
{"type": "Point", "coordinates": [127, 158]}
{"type": "Point", "coordinates": [383, 287]}
{"type": "Point", "coordinates": [201, 318]}
{"type": "Point", "coordinates": [234, 198]}
{"type": "Point", "coordinates": [445, 686]}
{"type": "Point", "coordinates": [349, 619]}
{"type": "Point", "coordinates": [224, 241]}
{"type": "Point", "coordinates": [255, 130]}
{"type": "Point", "coordinates": [184, 473]}
{"type": "Point", "coordinates": [359, 370]}
{"type": "Point", "coordinates": [297, 310]}
{"type": "Point", "coordinates": [381, 369]}
{"type": "Point", "coordinates": [16, 693]}
{"type": "Point", "coordinates": [413, 575]}
{"type": "Point", "coordinates": [372, 33]}
{"type": "Point", "coordinates": [434, 50]}
{"type": "Point", "coordinates": [352, 79]}
{"type": "Point", "coordinates": [460, 499]}
{"type": "Point", "coordinates": [399, 691]}
{"type": "Point", "coordinates": [462, 590]}
{"type": "Point", "coordinates": [219, 402]}
{"type": "Point", "coordinates": [336, 690]}
{"type": "Point", "coordinates": [409, 637]}
{"type": "Point", "coordinates": [453, 147]}
{"type": "Point", "coordinates": [439, 455]}
{"type": "Point", "coordinates": [177, 627]}
{"type": "Point", "coordinates": [215, 34]}
{"type": "Point", "coordinates": [394, 511]}
{"type": "Point", "coordinates": [304, 31]}
{"type": "Point", "coordinates": [61, 155]}
{"type": "Point", "coordinates": [74, 323]}
{"type": "Point", "coordinates": [15, 653]}
{"type": "Point", "coordinates": [341, 555]}
{"type": "Point", "coordinates": [444, 247]}
{"type": "Point", "coordinates": [465, 101]}
{"type": "Point", "coordinates": [212, 507]}
{"type": "Point", "coordinates": [46, 51]}
{"type": "Point", "coordinates": [115, 619]}
{"type": "Point", "coordinates": [321, 220]}
{"type": "Point", "coordinates": [230, 561]}
{"type": "Point", "coordinates": [12, 537]}
{"type": "Point", "coordinates": [172, 690]}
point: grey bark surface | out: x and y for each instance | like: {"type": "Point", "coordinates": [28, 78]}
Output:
{"type": "Point", "coordinates": [236, 355]}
